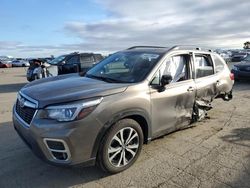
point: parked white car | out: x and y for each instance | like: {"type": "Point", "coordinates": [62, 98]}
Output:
{"type": "Point", "coordinates": [20, 63]}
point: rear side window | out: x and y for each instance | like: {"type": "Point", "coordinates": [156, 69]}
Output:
{"type": "Point", "coordinates": [87, 59]}
{"type": "Point", "coordinates": [98, 57]}
{"type": "Point", "coordinates": [218, 63]}
{"type": "Point", "coordinates": [203, 66]}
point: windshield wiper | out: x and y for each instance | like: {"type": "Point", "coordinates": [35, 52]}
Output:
{"type": "Point", "coordinates": [105, 79]}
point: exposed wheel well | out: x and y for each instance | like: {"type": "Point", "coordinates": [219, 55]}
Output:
{"type": "Point", "coordinates": [143, 123]}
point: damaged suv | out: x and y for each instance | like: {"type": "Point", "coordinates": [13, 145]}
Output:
{"type": "Point", "coordinates": [129, 98]}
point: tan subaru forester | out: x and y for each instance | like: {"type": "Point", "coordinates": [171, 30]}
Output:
{"type": "Point", "coordinates": [131, 97]}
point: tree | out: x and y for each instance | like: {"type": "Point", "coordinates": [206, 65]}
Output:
{"type": "Point", "coordinates": [247, 45]}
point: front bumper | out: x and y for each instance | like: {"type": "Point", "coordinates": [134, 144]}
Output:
{"type": "Point", "coordinates": [78, 137]}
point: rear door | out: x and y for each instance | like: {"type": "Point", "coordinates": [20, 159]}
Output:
{"type": "Point", "coordinates": [222, 73]}
{"type": "Point", "coordinates": [205, 79]}
{"type": "Point", "coordinates": [171, 107]}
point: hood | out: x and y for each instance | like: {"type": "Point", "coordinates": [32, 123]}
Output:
{"type": "Point", "coordinates": [68, 88]}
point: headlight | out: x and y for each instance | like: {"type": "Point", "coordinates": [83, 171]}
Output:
{"type": "Point", "coordinates": [70, 112]}
{"type": "Point", "coordinates": [235, 68]}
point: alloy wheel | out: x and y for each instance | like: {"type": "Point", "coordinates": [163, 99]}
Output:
{"type": "Point", "coordinates": [123, 147]}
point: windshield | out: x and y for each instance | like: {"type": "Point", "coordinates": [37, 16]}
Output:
{"type": "Point", "coordinates": [57, 60]}
{"type": "Point", "coordinates": [125, 67]}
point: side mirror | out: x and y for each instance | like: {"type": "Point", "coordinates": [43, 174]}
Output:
{"type": "Point", "coordinates": [166, 79]}
{"type": "Point", "coordinates": [63, 62]}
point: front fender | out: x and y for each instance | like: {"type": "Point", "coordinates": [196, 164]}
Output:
{"type": "Point", "coordinates": [116, 117]}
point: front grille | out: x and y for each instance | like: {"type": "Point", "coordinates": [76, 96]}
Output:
{"type": "Point", "coordinates": [26, 113]}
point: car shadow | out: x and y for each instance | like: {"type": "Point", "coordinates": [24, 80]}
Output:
{"type": "Point", "coordinates": [239, 136]}
{"type": "Point", "coordinates": [241, 86]}
{"type": "Point", "coordinates": [7, 88]}
{"type": "Point", "coordinates": [20, 76]}
{"type": "Point", "coordinates": [17, 162]}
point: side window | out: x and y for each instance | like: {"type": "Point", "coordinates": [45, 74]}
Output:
{"type": "Point", "coordinates": [203, 66]}
{"type": "Point", "coordinates": [87, 58]}
{"type": "Point", "coordinates": [87, 61]}
{"type": "Point", "coordinates": [73, 60]}
{"type": "Point", "coordinates": [156, 80]}
{"type": "Point", "coordinates": [176, 66]}
{"type": "Point", "coordinates": [219, 63]}
{"type": "Point", "coordinates": [98, 57]}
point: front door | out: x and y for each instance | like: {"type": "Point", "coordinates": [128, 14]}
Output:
{"type": "Point", "coordinates": [172, 107]}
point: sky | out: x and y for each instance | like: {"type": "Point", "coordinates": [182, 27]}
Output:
{"type": "Point", "coordinates": [38, 28]}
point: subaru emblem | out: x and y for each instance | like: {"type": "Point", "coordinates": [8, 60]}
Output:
{"type": "Point", "coordinates": [22, 101]}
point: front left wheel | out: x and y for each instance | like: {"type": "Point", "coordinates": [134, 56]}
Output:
{"type": "Point", "coordinates": [121, 146]}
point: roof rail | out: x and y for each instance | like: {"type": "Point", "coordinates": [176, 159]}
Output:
{"type": "Point", "coordinates": [189, 47]}
{"type": "Point", "coordinates": [134, 47]}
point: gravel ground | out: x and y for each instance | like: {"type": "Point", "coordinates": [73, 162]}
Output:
{"type": "Point", "coordinates": [212, 153]}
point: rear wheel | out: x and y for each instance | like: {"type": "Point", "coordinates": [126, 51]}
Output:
{"type": "Point", "coordinates": [121, 146]}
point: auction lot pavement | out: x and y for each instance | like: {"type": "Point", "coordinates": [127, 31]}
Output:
{"type": "Point", "coordinates": [213, 153]}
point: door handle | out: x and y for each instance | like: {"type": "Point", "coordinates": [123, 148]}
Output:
{"type": "Point", "coordinates": [190, 89]}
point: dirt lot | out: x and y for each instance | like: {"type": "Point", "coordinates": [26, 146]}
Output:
{"type": "Point", "coordinates": [213, 153]}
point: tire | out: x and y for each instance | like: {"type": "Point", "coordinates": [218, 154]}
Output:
{"type": "Point", "coordinates": [112, 161]}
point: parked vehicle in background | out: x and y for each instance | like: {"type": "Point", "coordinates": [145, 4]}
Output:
{"type": "Point", "coordinates": [237, 57]}
{"type": "Point", "coordinates": [65, 64]}
{"type": "Point", "coordinates": [20, 63]}
{"type": "Point", "coordinates": [247, 59]}
{"type": "Point", "coordinates": [226, 56]}
{"type": "Point", "coordinates": [46, 59]}
{"type": "Point", "coordinates": [36, 70]}
{"type": "Point", "coordinates": [241, 70]}
{"type": "Point", "coordinates": [129, 98]}
{"type": "Point", "coordinates": [75, 62]}
{"type": "Point", "coordinates": [5, 64]}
